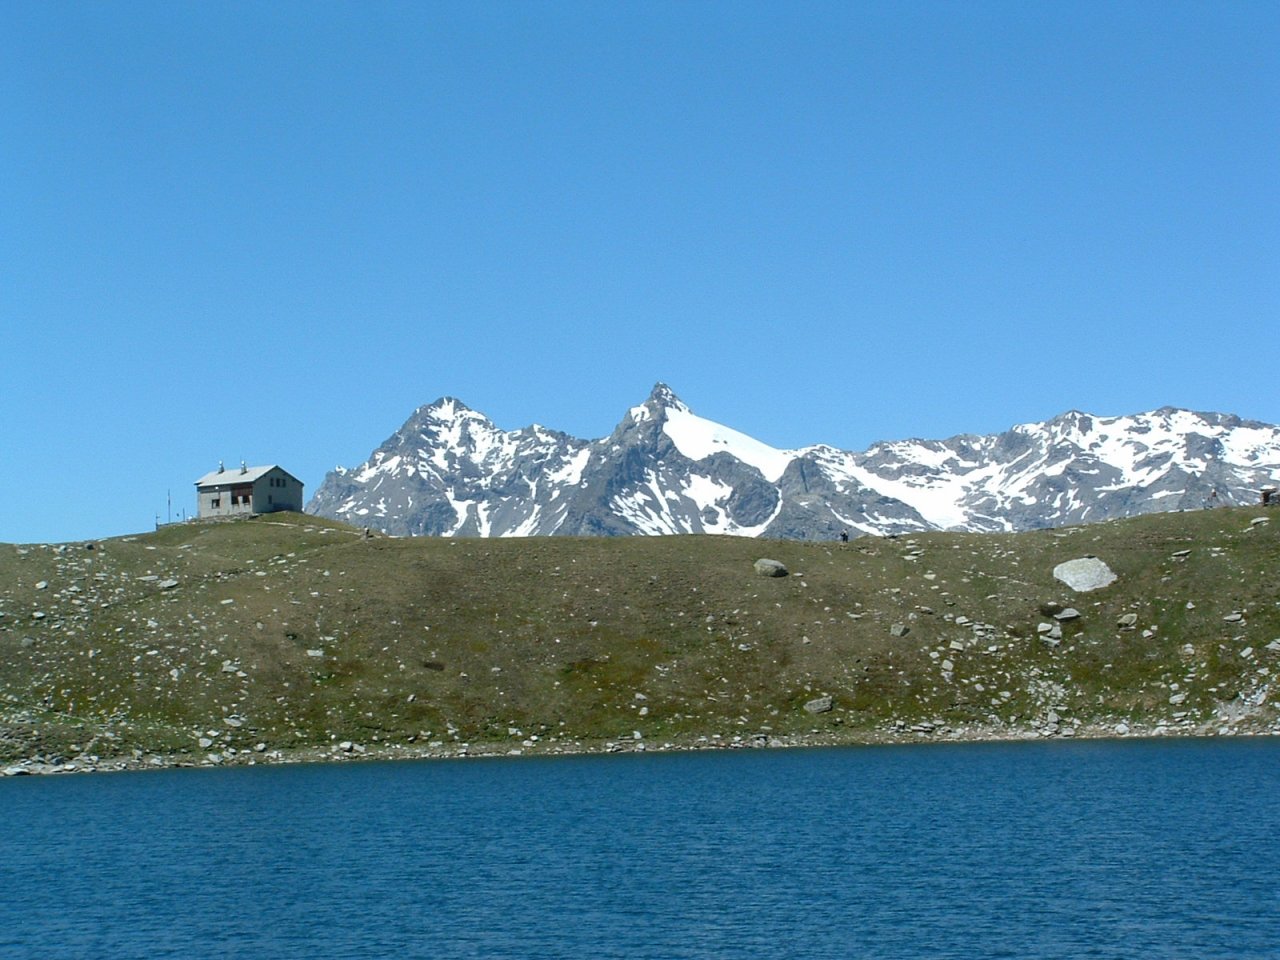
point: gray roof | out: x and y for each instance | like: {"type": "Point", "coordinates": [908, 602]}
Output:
{"type": "Point", "coordinates": [234, 475]}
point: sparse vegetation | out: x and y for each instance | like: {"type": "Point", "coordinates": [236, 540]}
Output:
{"type": "Point", "coordinates": [290, 636]}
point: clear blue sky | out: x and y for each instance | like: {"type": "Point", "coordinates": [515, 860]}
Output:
{"type": "Point", "coordinates": [269, 231]}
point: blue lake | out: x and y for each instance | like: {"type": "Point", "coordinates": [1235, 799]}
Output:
{"type": "Point", "coordinates": [1032, 850]}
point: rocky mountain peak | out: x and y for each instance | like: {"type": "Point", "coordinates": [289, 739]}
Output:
{"type": "Point", "coordinates": [450, 471]}
{"type": "Point", "coordinates": [663, 396]}
{"type": "Point", "coordinates": [1076, 421]}
{"type": "Point", "coordinates": [662, 400]}
{"type": "Point", "coordinates": [443, 410]}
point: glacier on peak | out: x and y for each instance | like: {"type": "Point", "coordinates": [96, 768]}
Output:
{"type": "Point", "coordinates": [698, 438]}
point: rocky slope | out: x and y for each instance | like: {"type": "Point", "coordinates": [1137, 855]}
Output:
{"type": "Point", "coordinates": [291, 637]}
{"type": "Point", "coordinates": [449, 471]}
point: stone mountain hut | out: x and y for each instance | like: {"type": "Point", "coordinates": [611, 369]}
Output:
{"type": "Point", "coordinates": [248, 490]}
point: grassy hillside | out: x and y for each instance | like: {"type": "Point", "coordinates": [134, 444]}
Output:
{"type": "Point", "coordinates": [286, 635]}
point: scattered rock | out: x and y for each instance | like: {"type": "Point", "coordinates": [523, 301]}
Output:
{"type": "Point", "coordinates": [899, 630]}
{"type": "Point", "coordinates": [168, 584]}
{"type": "Point", "coordinates": [820, 705]}
{"type": "Point", "coordinates": [765, 567]}
{"type": "Point", "coordinates": [1084, 574]}
{"type": "Point", "coordinates": [1128, 621]}
{"type": "Point", "coordinates": [1070, 613]}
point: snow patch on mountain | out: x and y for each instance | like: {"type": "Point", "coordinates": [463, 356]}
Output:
{"type": "Point", "coordinates": [698, 439]}
{"type": "Point", "coordinates": [570, 472]}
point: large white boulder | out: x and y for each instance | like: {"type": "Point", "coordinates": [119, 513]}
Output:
{"type": "Point", "coordinates": [1084, 574]}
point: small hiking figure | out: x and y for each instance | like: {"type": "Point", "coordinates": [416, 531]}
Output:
{"type": "Point", "coordinates": [844, 536]}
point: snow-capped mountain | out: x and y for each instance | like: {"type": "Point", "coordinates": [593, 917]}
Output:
{"type": "Point", "coordinates": [450, 472]}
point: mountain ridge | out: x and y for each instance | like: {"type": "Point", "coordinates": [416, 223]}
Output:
{"type": "Point", "coordinates": [450, 471]}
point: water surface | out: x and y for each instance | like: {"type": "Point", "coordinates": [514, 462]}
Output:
{"type": "Point", "coordinates": [1030, 850]}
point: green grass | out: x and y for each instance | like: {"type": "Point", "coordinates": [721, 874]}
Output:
{"type": "Point", "coordinates": [587, 640]}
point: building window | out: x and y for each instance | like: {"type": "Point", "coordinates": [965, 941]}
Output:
{"type": "Point", "coordinates": [215, 503]}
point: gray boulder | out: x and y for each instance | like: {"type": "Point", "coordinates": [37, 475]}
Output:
{"type": "Point", "coordinates": [1084, 574]}
{"type": "Point", "coordinates": [765, 567]}
{"type": "Point", "coordinates": [820, 705]}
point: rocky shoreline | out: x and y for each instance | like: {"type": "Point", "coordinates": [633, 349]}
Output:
{"type": "Point", "coordinates": [349, 751]}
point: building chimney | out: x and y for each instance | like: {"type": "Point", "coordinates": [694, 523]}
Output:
{"type": "Point", "coordinates": [243, 468]}
{"type": "Point", "coordinates": [221, 468]}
